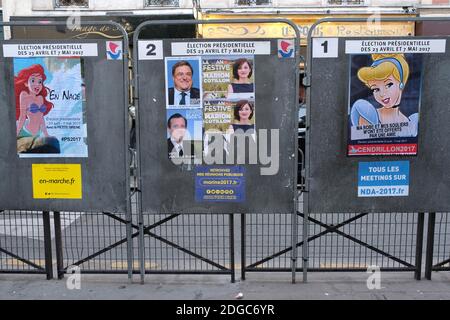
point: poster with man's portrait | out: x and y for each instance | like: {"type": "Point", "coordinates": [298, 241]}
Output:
{"type": "Point", "coordinates": [183, 78]}
{"type": "Point", "coordinates": [184, 134]}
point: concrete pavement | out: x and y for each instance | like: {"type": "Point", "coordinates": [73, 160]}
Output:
{"type": "Point", "coordinates": [258, 286]}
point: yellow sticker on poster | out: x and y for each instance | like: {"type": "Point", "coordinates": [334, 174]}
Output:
{"type": "Point", "coordinates": [56, 181]}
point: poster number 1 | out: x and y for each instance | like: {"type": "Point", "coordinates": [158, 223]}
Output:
{"type": "Point", "coordinates": [150, 50]}
{"type": "Point", "coordinates": [325, 46]}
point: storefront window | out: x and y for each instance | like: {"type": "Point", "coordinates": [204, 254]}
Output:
{"type": "Point", "coordinates": [253, 2]}
{"type": "Point", "coordinates": [71, 3]}
{"type": "Point", "coordinates": [162, 3]}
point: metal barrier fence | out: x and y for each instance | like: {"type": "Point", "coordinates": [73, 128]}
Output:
{"type": "Point", "coordinates": [438, 243]}
{"type": "Point", "coordinates": [25, 244]}
{"type": "Point", "coordinates": [200, 239]}
{"type": "Point", "coordinates": [189, 244]}
{"type": "Point", "coordinates": [392, 241]}
{"type": "Point", "coordinates": [266, 243]}
{"type": "Point", "coordinates": [341, 242]}
{"type": "Point", "coordinates": [97, 242]}
{"type": "Point", "coordinates": [353, 242]}
{"type": "Point", "coordinates": [336, 242]}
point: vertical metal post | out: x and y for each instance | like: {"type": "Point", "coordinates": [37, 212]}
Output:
{"type": "Point", "coordinates": [294, 223]}
{"type": "Point", "coordinates": [305, 245]}
{"type": "Point", "coordinates": [243, 245]}
{"type": "Point", "coordinates": [231, 230]}
{"type": "Point", "coordinates": [419, 245]}
{"type": "Point", "coordinates": [138, 159]}
{"type": "Point", "coordinates": [128, 213]}
{"type": "Point", "coordinates": [430, 245]}
{"type": "Point", "coordinates": [129, 248]}
{"type": "Point", "coordinates": [141, 248]}
{"type": "Point", "coordinates": [47, 245]}
{"type": "Point", "coordinates": [58, 245]}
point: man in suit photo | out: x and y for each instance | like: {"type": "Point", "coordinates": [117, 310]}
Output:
{"type": "Point", "coordinates": [176, 145]}
{"type": "Point", "coordinates": [183, 93]}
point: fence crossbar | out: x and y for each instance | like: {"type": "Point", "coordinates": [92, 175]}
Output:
{"type": "Point", "coordinates": [334, 229]}
{"type": "Point", "coordinates": [15, 256]}
{"type": "Point", "coordinates": [299, 244]}
{"type": "Point", "coordinates": [440, 264]}
{"type": "Point", "coordinates": [155, 236]}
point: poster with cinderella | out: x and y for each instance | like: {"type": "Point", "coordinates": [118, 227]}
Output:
{"type": "Point", "coordinates": [384, 104]}
{"type": "Point", "coordinates": [50, 107]}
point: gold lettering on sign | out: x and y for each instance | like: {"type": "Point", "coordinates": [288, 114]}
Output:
{"type": "Point", "coordinates": [328, 29]}
{"type": "Point", "coordinates": [104, 31]}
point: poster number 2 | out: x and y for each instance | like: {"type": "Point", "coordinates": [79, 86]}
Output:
{"type": "Point", "coordinates": [151, 47]}
{"type": "Point", "coordinates": [325, 47]}
{"type": "Point", "coordinates": [151, 50]}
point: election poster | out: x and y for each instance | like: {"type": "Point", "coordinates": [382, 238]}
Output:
{"type": "Point", "coordinates": [229, 78]}
{"type": "Point", "coordinates": [215, 92]}
{"type": "Point", "coordinates": [217, 115]}
{"type": "Point", "coordinates": [229, 94]}
{"type": "Point", "coordinates": [384, 104]}
{"type": "Point", "coordinates": [183, 109]}
{"type": "Point", "coordinates": [183, 78]}
{"type": "Point", "coordinates": [219, 184]}
{"type": "Point", "coordinates": [216, 77]}
{"type": "Point", "coordinates": [184, 135]}
{"type": "Point", "coordinates": [228, 97]}
{"type": "Point", "coordinates": [50, 107]}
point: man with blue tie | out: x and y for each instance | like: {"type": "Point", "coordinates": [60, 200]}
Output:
{"type": "Point", "coordinates": [183, 93]}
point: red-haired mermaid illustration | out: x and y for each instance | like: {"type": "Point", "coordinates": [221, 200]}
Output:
{"type": "Point", "coordinates": [31, 107]}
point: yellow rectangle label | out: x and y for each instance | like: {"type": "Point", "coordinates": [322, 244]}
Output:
{"type": "Point", "coordinates": [56, 181]}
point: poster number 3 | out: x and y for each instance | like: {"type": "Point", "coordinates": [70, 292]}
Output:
{"type": "Point", "coordinates": [325, 47]}
{"type": "Point", "coordinates": [150, 50]}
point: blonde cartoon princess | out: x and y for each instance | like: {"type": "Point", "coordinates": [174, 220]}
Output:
{"type": "Point", "coordinates": [386, 78]}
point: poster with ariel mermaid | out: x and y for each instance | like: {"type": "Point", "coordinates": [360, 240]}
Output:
{"type": "Point", "coordinates": [384, 104]}
{"type": "Point", "coordinates": [50, 107]}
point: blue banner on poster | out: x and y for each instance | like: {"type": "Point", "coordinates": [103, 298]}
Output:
{"type": "Point", "coordinates": [383, 179]}
{"type": "Point", "coordinates": [219, 184]}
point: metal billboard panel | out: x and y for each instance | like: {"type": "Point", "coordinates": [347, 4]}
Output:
{"type": "Point", "coordinates": [170, 188]}
{"type": "Point", "coordinates": [333, 177]}
{"type": "Point", "coordinates": [103, 167]}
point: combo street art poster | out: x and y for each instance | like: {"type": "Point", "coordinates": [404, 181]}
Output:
{"type": "Point", "coordinates": [207, 95]}
{"type": "Point", "coordinates": [50, 107]}
{"type": "Point", "coordinates": [384, 104]}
